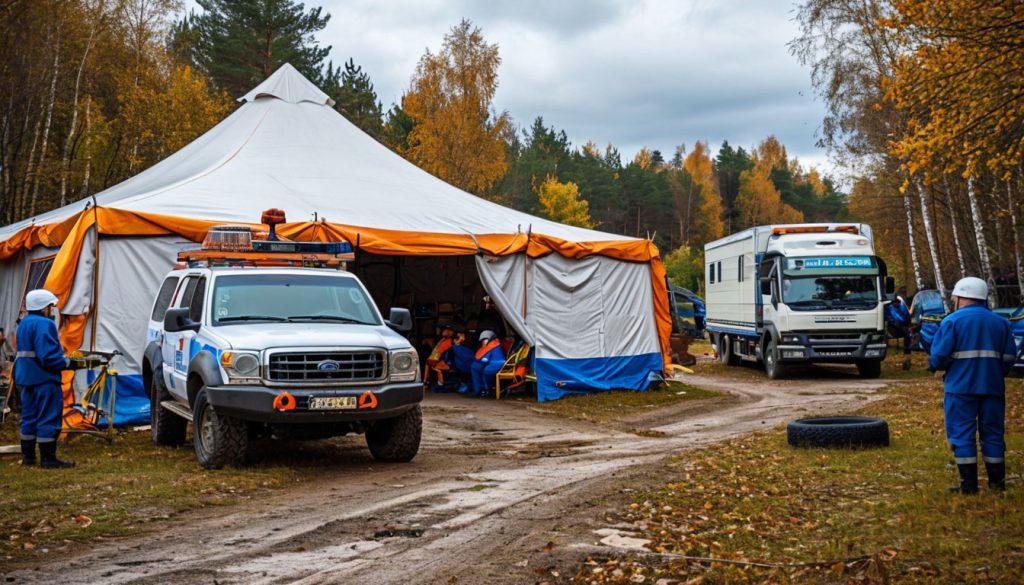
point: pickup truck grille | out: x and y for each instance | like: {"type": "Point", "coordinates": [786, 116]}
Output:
{"type": "Point", "coordinates": [327, 367]}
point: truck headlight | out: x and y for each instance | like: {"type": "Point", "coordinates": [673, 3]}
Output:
{"type": "Point", "coordinates": [790, 339]}
{"type": "Point", "coordinates": [405, 365]}
{"type": "Point", "coordinates": [242, 367]}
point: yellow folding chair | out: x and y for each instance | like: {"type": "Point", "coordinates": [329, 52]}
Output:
{"type": "Point", "coordinates": [515, 372]}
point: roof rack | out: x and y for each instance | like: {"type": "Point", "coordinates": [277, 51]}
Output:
{"type": "Point", "coordinates": [215, 258]}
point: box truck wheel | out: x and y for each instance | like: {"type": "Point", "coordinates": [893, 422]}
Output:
{"type": "Point", "coordinates": [869, 368]}
{"type": "Point", "coordinates": [772, 366]}
{"type": "Point", "coordinates": [726, 355]}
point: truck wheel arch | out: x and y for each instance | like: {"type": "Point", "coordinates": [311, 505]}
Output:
{"type": "Point", "coordinates": [203, 370]}
{"type": "Point", "coordinates": [152, 362]}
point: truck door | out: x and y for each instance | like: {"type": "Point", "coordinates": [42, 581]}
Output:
{"type": "Point", "coordinates": [176, 344]}
{"type": "Point", "coordinates": [769, 290]}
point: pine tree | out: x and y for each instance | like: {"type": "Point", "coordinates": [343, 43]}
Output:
{"type": "Point", "coordinates": [355, 97]}
{"type": "Point", "coordinates": [240, 43]}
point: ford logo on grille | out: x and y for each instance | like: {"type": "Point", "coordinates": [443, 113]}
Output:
{"type": "Point", "coordinates": [328, 366]}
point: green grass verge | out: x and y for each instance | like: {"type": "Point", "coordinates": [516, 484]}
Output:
{"type": "Point", "coordinates": [119, 489]}
{"type": "Point", "coordinates": [856, 515]}
{"type": "Point", "coordinates": [608, 406]}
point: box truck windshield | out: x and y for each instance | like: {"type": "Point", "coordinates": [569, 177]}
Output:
{"type": "Point", "coordinates": [814, 284]}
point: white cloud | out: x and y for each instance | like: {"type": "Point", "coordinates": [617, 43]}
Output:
{"type": "Point", "coordinates": [636, 73]}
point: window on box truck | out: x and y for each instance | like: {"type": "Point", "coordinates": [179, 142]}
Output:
{"type": "Point", "coordinates": [711, 273]}
{"type": "Point", "coordinates": [266, 298]}
{"type": "Point", "coordinates": [739, 268]}
{"type": "Point", "coordinates": [830, 292]}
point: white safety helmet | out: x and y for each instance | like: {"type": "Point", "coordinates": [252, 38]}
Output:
{"type": "Point", "coordinates": [39, 299]}
{"type": "Point", "coordinates": [487, 334]}
{"type": "Point", "coordinates": [971, 287]}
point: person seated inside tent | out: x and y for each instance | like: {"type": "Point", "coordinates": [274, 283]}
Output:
{"type": "Point", "coordinates": [436, 373]}
{"type": "Point", "coordinates": [462, 354]}
{"type": "Point", "coordinates": [488, 360]}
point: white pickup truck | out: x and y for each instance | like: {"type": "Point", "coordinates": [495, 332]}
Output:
{"type": "Point", "coordinates": [289, 352]}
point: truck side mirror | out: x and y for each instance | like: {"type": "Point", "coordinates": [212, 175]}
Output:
{"type": "Point", "coordinates": [176, 320]}
{"type": "Point", "coordinates": [766, 285]}
{"type": "Point", "coordinates": [400, 319]}
{"type": "Point", "coordinates": [890, 285]}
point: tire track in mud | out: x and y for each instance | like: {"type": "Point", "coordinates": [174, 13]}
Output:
{"type": "Point", "coordinates": [485, 471]}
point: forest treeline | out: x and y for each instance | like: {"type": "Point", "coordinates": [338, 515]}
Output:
{"type": "Point", "coordinates": [926, 112]}
{"type": "Point", "coordinates": [94, 91]}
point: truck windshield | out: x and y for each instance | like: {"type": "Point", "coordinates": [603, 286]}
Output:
{"type": "Point", "coordinates": [262, 298]}
{"type": "Point", "coordinates": [815, 293]}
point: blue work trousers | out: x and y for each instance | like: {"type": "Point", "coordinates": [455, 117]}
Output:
{"type": "Point", "coordinates": [41, 408]}
{"type": "Point", "coordinates": [484, 376]}
{"type": "Point", "coordinates": [971, 414]}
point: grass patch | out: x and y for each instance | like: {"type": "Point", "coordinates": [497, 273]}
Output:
{"type": "Point", "coordinates": [119, 490]}
{"type": "Point", "coordinates": [607, 406]}
{"type": "Point", "coordinates": [864, 515]}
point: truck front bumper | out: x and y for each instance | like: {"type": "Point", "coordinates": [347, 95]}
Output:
{"type": "Point", "coordinates": [835, 348]}
{"type": "Point", "coordinates": [256, 403]}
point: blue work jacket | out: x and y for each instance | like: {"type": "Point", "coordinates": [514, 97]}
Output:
{"type": "Point", "coordinates": [976, 349]}
{"type": "Point", "coordinates": [897, 313]}
{"type": "Point", "coordinates": [40, 357]}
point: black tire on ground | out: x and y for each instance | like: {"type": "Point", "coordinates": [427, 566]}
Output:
{"type": "Point", "coordinates": [838, 431]}
{"type": "Point", "coordinates": [725, 351]}
{"type": "Point", "coordinates": [396, 439]}
{"type": "Point", "coordinates": [869, 368]}
{"type": "Point", "coordinates": [775, 369]}
{"type": "Point", "coordinates": [218, 440]}
{"type": "Point", "coordinates": [165, 427]}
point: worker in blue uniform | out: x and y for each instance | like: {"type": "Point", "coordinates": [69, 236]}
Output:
{"type": "Point", "coordinates": [976, 349]}
{"type": "Point", "coordinates": [39, 362]}
{"type": "Point", "coordinates": [488, 360]}
{"type": "Point", "coordinates": [897, 316]}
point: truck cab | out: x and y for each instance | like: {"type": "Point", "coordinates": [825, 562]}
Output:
{"type": "Point", "coordinates": [801, 293]}
{"type": "Point", "coordinates": [297, 350]}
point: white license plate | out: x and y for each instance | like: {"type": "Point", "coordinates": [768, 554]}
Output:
{"type": "Point", "coordinates": [332, 402]}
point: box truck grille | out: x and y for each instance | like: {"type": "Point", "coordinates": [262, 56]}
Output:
{"type": "Point", "coordinates": [835, 337]}
{"type": "Point", "coordinates": [327, 367]}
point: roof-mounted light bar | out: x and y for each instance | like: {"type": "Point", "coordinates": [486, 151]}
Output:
{"type": "Point", "coordinates": [814, 229]}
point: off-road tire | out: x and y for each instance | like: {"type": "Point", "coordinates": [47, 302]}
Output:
{"type": "Point", "coordinates": [725, 351]}
{"type": "Point", "coordinates": [165, 427]}
{"type": "Point", "coordinates": [869, 368]}
{"type": "Point", "coordinates": [775, 369]}
{"type": "Point", "coordinates": [396, 439]}
{"type": "Point", "coordinates": [226, 440]}
{"type": "Point", "coordinates": [838, 431]}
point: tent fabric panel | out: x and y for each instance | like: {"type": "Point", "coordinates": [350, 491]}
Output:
{"type": "Point", "coordinates": [131, 271]}
{"type": "Point", "coordinates": [132, 404]}
{"type": "Point", "coordinates": [629, 324]}
{"type": "Point", "coordinates": [565, 307]}
{"type": "Point", "coordinates": [557, 378]}
{"type": "Point", "coordinates": [662, 316]}
{"type": "Point", "coordinates": [79, 298]}
{"type": "Point", "coordinates": [505, 278]}
{"type": "Point", "coordinates": [12, 283]}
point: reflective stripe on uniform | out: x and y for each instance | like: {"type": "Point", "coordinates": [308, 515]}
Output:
{"type": "Point", "coordinates": [26, 354]}
{"type": "Point", "coordinates": [979, 353]}
{"type": "Point", "coordinates": [966, 460]}
{"type": "Point", "coordinates": [993, 459]}
{"type": "Point", "coordinates": [28, 437]}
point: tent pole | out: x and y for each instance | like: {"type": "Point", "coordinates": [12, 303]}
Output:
{"type": "Point", "coordinates": [526, 266]}
{"type": "Point", "coordinates": [95, 276]}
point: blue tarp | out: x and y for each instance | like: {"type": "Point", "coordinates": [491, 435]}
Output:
{"type": "Point", "coordinates": [557, 378]}
{"type": "Point", "coordinates": [132, 404]}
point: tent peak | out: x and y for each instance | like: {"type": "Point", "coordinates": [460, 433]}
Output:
{"type": "Point", "coordinates": [289, 85]}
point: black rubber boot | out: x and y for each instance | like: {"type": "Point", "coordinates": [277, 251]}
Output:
{"type": "Point", "coordinates": [28, 452]}
{"type": "Point", "coordinates": [968, 479]}
{"type": "Point", "coordinates": [996, 476]}
{"type": "Point", "coordinates": [48, 457]}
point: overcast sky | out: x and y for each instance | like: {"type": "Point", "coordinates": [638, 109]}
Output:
{"type": "Point", "coordinates": [655, 73]}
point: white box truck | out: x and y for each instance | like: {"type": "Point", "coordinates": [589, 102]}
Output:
{"type": "Point", "coordinates": [784, 294]}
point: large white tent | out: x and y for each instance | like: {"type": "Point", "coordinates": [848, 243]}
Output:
{"type": "Point", "coordinates": [592, 304]}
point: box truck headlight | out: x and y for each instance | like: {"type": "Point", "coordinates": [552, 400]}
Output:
{"type": "Point", "coordinates": [790, 339]}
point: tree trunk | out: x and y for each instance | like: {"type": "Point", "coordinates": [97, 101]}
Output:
{"type": "Point", "coordinates": [88, 153]}
{"type": "Point", "coordinates": [1015, 233]}
{"type": "Point", "coordinates": [979, 231]}
{"type": "Point", "coordinates": [954, 220]}
{"type": "Point", "coordinates": [65, 159]}
{"type": "Point", "coordinates": [929, 233]}
{"type": "Point", "coordinates": [918, 283]}
{"type": "Point", "coordinates": [46, 128]}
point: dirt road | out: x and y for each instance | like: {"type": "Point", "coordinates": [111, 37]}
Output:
{"type": "Point", "coordinates": [492, 484]}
